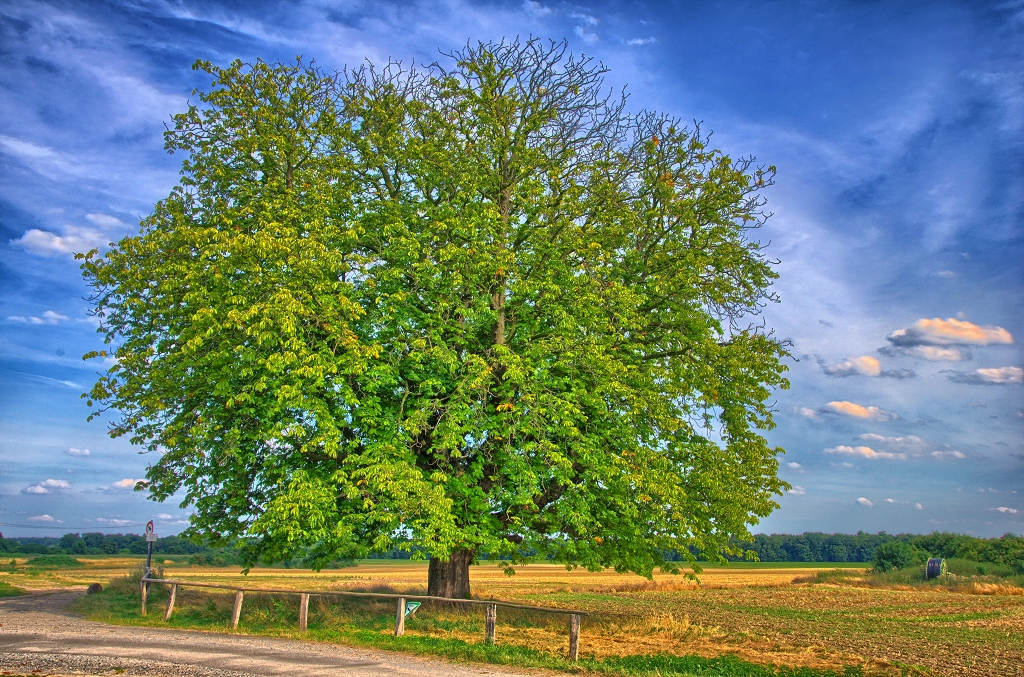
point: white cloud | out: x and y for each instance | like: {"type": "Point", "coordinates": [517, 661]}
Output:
{"type": "Point", "coordinates": [859, 411]}
{"type": "Point", "coordinates": [115, 522]}
{"type": "Point", "coordinates": [585, 18]}
{"type": "Point", "coordinates": [73, 241]}
{"type": "Point", "coordinates": [106, 221]}
{"type": "Point", "coordinates": [865, 365]}
{"type": "Point", "coordinates": [864, 501]}
{"type": "Point", "coordinates": [74, 451]}
{"type": "Point", "coordinates": [47, 487]}
{"type": "Point", "coordinates": [127, 483]}
{"type": "Point", "coordinates": [535, 8]}
{"type": "Point", "coordinates": [919, 506]}
{"type": "Point", "coordinates": [908, 442]}
{"type": "Point", "coordinates": [42, 518]}
{"type": "Point", "coordinates": [164, 516]}
{"type": "Point", "coordinates": [808, 412]}
{"type": "Point", "coordinates": [49, 317]}
{"type": "Point", "coordinates": [588, 37]}
{"type": "Point", "coordinates": [866, 452]}
{"type": "Point", "coordinates": [948, 454]}
{"type": "Point", "coordinates": [794, 465]}
{"type": "Point", "coordinates": [641, 41]}
{"type": "Point", "coordinates": [1004, 509]}
{"type": "Point", "coordinates": [990, 376]}
{"type": "Point", "coordinates": [937, 354]}
{"type": "Point", "coordinates": [939, 332]}
{"type": "Point", "coordinates": [797, 490]}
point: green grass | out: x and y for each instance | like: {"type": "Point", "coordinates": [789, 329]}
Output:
{"type": "Point", "coordinates": [54, 562]}
{"type": "Point", "coordinates": [369, 624]}
{"type": "Point", "coordinates": [8, 590]}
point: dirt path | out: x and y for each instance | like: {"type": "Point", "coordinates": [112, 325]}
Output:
{"type": "Point", "coordinates": [36, 633]}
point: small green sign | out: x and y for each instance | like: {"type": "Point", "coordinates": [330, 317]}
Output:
{"type": "Point", "coordinates": [410, 608]}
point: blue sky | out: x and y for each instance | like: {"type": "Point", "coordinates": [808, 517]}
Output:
{"type": "Point", "coordinates": [897, 128]}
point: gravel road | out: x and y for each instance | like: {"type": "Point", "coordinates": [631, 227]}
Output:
{"type": "Point", "coordinates": [37, 634]}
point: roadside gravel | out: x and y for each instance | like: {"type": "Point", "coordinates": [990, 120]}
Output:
{"type": "Point", "coordinates": [38, 635]}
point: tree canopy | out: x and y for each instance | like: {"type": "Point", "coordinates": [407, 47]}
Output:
{"type": "Point", "coordinates": [476, 307]}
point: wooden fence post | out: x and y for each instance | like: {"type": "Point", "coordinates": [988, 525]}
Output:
{"type": "Point", "coordinates": [490, 619]}
{"type": "Point", "coordinates": [400, 618]}
{"type": "Point", "coordinates": [574, 636]}
{"type": "Point", "coordinates": [237, 610]}
{"type": "Point", "coordinates": [303, 611]}
{"type": "Point", "coordinates": [170, 602]}
{"type": "Point", "coordinates": [143, 593]}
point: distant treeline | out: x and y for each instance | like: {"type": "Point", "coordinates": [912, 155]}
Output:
{"type": "Point", "coordinates": [860, 547]}
{"type": "Point", "coordinates": [806, 547]}
{"type": "Point", "coordinates": [114, 544]}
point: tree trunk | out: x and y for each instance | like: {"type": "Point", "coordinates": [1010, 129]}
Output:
{"type": "Point", "coordinates": [450, 578]}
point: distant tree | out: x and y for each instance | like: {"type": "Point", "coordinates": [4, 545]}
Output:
{"type": "Point", "coordinates": [473, 308]}
{"type": "Point", "coordinates": [897, 555]}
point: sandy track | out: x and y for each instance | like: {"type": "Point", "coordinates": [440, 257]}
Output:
{"type": "Point", "coordinates": [36, 633]}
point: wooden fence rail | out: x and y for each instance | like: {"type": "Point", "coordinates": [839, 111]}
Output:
{"type": "Point", "coordinates": [490, 611]}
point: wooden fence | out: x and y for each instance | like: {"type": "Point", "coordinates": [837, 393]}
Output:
{"type": "Point", "coordinates": [490, 612]}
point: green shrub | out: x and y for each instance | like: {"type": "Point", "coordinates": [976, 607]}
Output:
{"type": "Point", "coordinates": [54, 561]}
{"type": "Point", "coordinates": [897, 555]}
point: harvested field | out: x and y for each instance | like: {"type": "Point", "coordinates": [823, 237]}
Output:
{"type": "Point", "coordinates": [755, 612]}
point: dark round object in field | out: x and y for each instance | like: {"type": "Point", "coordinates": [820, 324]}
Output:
{"type": "Point", "coordinates": [93, 589]}
{"type": "Point", "coordinates": [936, 567]}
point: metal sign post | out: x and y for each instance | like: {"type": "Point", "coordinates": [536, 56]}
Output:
{"type": "Point", "coordinates": [150, 538]}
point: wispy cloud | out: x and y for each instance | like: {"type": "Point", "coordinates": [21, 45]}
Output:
{"type": "Point", "coordinates": [43, 518]}
{"type": "Point", "coordinates": [49, 317]}
{"type": "Point", "coordinates": [588, 36]}
{"type": "Point", "coordinates": [48, 379]}
{"type": "Point", "coordinates": [931, 353]}
{"type": "Point", "coordinates": [127, 483]}
{"type": "Point", "coordinates": [75, 451]}
{"type": "Point", "coordinates": [536, 9]}
{"type": "Point", "coordinates": [797, 490]}
{"type": "Point", "coordinates": [865, 502]}
{"type": "Point", "coordinates": [635, 42]}
{"type": "Point", "coordinates": [1004, 509]}
{"type": "Point", "coordinates": [866, 452]}
{"type": "Point", "coordinates": [998, 376]}
{"type": "Point", "coordinates": [588, 19]}
{"type": "Point", "coordinates": [906, 442]}
{"type": "Point", "coordinates": [865, 365]}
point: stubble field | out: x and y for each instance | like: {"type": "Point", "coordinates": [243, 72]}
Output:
{"type": "Point", "coordinates": [765, 614]}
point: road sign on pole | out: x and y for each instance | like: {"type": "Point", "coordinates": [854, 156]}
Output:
{"type": "Point", "coordinates": [150, 538]}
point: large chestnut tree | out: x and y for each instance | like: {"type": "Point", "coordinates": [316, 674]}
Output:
{"type": "Point", "coordinates": [477, 307]}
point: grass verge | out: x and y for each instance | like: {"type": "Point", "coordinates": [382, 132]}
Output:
{"type": "Point", "coordinates": [8, 590]}
{"type": "Point", "coordinates": [441, 631]}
